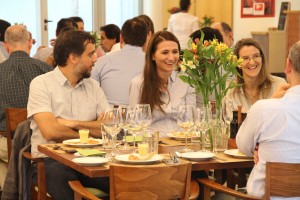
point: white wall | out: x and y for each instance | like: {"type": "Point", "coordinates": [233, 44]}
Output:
{"type": "Point", "coordinates": [242, 27]}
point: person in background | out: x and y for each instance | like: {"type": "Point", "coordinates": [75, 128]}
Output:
{"type": "Point", "coordinates": [255, 81]}
{"type": "Point", "coordinates": [182, 24]}
{"type": "Point", "coordinates": [150, 28]}
{"type": "Point", "coordinates": [16, 74]}
{"type": "Point", "coordinates": [3, 53]}
{"type": "Point", "coordinates": [110, 38]}
{"type": "Point", "coordinates": [272, 126]}
{"type": "Point", "coordinates": [209, 34]}
{"type": "Point", "coordinates": [67, 100]}
{"type": "Point", "coordinates": [44, 52]}
{"type": "Point", "coordinates": [226, 32]}
{"type": "Point", "coordinates": [115, 70]}
{"type": "Point", "coordinates": [80, 23]}
{"type": "Point", "coordinates": [159, 85]}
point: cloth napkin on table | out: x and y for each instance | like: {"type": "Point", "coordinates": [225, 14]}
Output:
{"type": "Point", "coordinates": [129, 138]}
{"type": "Point", "coordinates": [90, 152]}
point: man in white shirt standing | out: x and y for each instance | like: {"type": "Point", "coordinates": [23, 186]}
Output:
{"type": "Point", "coordinates": [272, 126]}
{"type": "Point", "coordinates": [115, 70]}
{"type": "Point", "coordinates": [182, 24]}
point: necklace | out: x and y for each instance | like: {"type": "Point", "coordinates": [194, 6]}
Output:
{"type": "Point", "coordinates": [252, 93]}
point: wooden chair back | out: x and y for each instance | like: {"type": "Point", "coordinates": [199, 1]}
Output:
{"type": "Point", "coordinates": [13, 116]}
{"type": "Point", "coordinates": [150, 182]}
{"type": "Point", "coordinates": [282, 179]}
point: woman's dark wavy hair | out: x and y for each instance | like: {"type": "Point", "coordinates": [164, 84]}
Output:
{"type": "Point", "coordinates": [151, 93]}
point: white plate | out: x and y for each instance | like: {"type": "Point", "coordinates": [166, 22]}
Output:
{"type": "Point", "coordinates": [124, 158]}
{"type": "Point", "coordinates": [235, 153]}
{"type": "Point", "coordinates": [197, 156]}
{"type": "Point", "coordinates": [76, 143]}
{"type": "Point", "coordinates": [90, 161]}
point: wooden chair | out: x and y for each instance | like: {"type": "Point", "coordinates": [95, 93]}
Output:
{"type": "Point", "coordinates": [282, 179]}
{"type": "Point", "coordinates": [13, 116]}
{"type": "Point", "coordinates": [147, 182]}
{"type": "Point", "coordinates": [150, 182]}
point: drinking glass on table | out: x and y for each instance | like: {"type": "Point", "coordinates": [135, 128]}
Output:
{"type": "Point", "coordinates": [186, 120]}
{"type": "Point", "coordinates": [112, 126]}
{"type": "Point", "coordinates": [227, 109]}
{"type": "Point", "coordinates": [133, 123]}
{"type": "Point", "coordinates": [144, 115]}
{"type": "Point", "coordinates": [203, 124]}
{"type": "Point", "coordinates": [124, 121]}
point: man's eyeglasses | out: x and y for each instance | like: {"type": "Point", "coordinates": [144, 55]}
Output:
{"type": "Point", "coordinates": [255, 58]}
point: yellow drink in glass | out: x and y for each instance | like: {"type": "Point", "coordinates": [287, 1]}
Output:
{"type": "Point", "coordinates": [143, 149]}
{"type": "Point", "coordinates": [84, 136]}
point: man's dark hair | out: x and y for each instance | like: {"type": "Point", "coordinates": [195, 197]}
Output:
{"type": "Point", "coordinates": [148, 21]}
{"type": "Point", "coordinates": [134, 32]}
{"type": "Point", "coordinates": [111, 31]}
{"type": "Point", "coordinates": [63, 23]}
{"type": "Point", "coordinates": [209, 34]}
{"type": "Point", "coordinates": [77, 19]}
{"type": "Point", "coordinates": [226, 28]}
{"type": "Point", "coordinates": [68, 42]}
{"type": "Point", "coordinates": [3, 26]}
{"type": "Point", "coordinates": [184, 4]}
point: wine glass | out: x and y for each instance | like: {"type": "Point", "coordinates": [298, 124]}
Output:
{"type": "Point", "coordinates": [144, 115]}
{"type": "Point", "coordinates": [227, 109]}
{"type": "Point", "coordinates": [203, 123]}
{"type": "Point", "coordinates": [133, 123]}
{"type": "Point", "coordinates": [124, 121]}
{"type": "Point", "coordinates": [186, 119]}
{"type": "Point", "coordinates": [111, 125]}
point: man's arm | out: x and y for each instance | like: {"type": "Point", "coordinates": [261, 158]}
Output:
{"type": "Point", "coordinates": [93, 126]}
{"type": "Point", "coordinates": [51, 129]}
{"type": "Point", "coordinates": [249, 132]}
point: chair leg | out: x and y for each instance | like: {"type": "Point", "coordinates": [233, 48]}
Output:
{"type": "Point", "coordinates": [205, 192]}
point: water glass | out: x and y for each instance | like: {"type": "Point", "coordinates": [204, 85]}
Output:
{"type": "Point", "coordinates": [152, 138]}
{"type": "Point", "coordinates": [220, 134]}
{"type": "Point", "coordinates": [106, 140]}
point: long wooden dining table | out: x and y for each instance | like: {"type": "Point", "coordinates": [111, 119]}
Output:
{"type": "Point", "coordinates": [220, 161]}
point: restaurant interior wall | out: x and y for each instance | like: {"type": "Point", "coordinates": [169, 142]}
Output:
{"type": "Point", "coordinates": [242, 27]}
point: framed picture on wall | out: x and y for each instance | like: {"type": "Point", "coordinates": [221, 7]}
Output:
{"type": "Point", "coordinates": [257, 8]}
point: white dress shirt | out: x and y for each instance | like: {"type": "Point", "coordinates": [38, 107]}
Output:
{"type": "Point", "coordinates": [115, 47]}
{"type": "Point", "coordinates": [180, 94]}
{"type": "Point", "coordinates": [274, 124]}
{"type": "Point", "coordinates": [115, 70]}
{"type": "Point", "coordinates": [183, 25]}
{"type": "Point", "coordinates": [43, 53]}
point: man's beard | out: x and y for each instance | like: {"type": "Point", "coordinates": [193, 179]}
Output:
{"type": "Point", "coordinates": [86, 74]}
